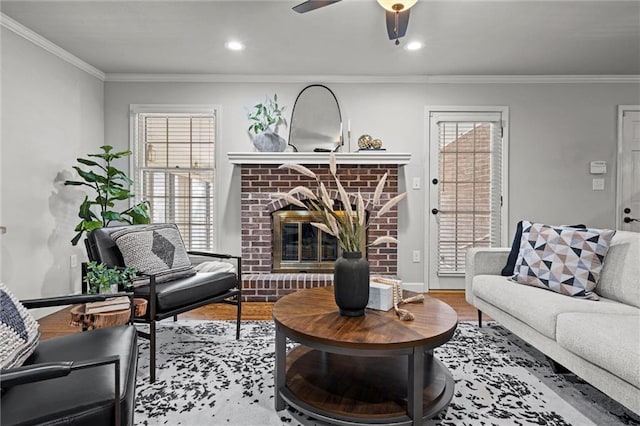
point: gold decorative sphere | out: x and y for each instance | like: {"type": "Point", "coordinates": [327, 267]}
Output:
{"type": "Point", "coordinates": [365, 142]}
{"type": "Point", "coordinates": [376, 144]}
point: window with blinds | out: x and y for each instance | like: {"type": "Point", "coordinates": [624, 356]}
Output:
{"type": "Point", "coordinates": [174, 159]}
{"type": "Point", "coordinates": [470, 182]}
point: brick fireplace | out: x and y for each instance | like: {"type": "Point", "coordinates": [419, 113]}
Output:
{"type": "Point", "coordinates": [260, 176]}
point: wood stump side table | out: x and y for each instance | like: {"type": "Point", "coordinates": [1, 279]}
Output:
{"type": "Point", "coordinates": [106, 319]}
{"type": "Point", "coordinates": [373, 369]}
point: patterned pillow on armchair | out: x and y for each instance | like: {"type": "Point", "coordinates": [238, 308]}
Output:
{"type": "Point", "coordinates": [19, 331]}
{"type": "Point", "coordinates": [564, 260]}
{"type": "Point", "coordinates": [156, 250]}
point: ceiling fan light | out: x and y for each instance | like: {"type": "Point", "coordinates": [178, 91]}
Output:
{"type": "Point", "coordinates": [414, 45]}
{"type": "Point", "coordinates": [397, 5]}
{"type": "Point", "coordinates": [234, 45]}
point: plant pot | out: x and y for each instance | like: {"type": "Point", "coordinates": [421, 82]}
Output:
{"type": "Point", "coordinates": [111, 290]}
{"type": "Point", "coordinates": [269, 142]}
{"type": "Point", "coordinates": [351, 283]}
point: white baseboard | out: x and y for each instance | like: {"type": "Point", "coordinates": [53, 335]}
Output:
{"type": "Point", "coordinates": [415, 287]}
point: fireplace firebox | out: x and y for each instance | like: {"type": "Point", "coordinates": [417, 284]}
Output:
{"type": "Point", "coordinates": [299, 246]}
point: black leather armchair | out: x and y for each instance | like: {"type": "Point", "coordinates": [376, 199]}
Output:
{"type": "Point", "coordinates": [168, 299]}
{"type": "Point", "coordinates": [81, 379]}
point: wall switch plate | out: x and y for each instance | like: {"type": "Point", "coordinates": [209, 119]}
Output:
{"type": "Point", "coordinates": [416, 256]}
{"type": "Point", "coordinates": [416, 183]}
{"type": "Point", "coordinates": [73, 261]}
{"type": "Point", "coordinates": [598, 184]}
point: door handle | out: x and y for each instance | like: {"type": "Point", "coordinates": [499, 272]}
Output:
{"type": "Point", "coordinates": [435, 211]}
{"type": "Point", "coordinates": [630, 219]}
{"type": "Point", "coordinates": [3, 229]}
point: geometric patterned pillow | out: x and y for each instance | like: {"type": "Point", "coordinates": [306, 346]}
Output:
{"type": "Point", "coordinates": [19, 332]}
{"type": "Point", "coordinates": [156, 250]}
{"type": "Point", "coordinates": [564, 260]}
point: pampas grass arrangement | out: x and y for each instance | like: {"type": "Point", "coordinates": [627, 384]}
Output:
{"type": "Point", "coordinates": [346, 225]}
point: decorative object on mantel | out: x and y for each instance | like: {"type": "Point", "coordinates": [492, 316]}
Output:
{"type": "Point", "coordinates": [351, 277]}
{"type": "Point", "coordinates": [266, 118]}
{"type": "Point", "coordinates": [366, 143]}
{"type": "Point", "coordinates": [316, 122]}
{"type": "Point", "coordinates": [403, 314]}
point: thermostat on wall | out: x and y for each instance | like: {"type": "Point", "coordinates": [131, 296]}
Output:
{"type": "Point", "coordinates": [598, 167]}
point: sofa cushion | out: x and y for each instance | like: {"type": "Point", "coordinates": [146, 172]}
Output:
{"type": "Point", "coordinates": [19, 332]}
{"type": "Point", "coordinates": [154, 249]}
{"type": "Point", "coordinates": [564, 260]}
{"type": "Point", "coordinates": [538, 308]}
{"type": "Point", "coordinates": [185, 291]}
{"type": "Point", "coordinates": [612, 342]}
{"type": "Point", "coordinates": [620, 277]}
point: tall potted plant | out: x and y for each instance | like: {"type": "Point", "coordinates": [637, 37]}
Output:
{"type": "Point", "coordinates": [266, 118]}
{"type": "Point", "coordinates": [109, 185]}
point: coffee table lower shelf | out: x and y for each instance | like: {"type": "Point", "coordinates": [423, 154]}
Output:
{"type": "Point", "coordinates": [351, 390]}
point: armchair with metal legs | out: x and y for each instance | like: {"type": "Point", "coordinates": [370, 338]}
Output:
{"type": "Point", "coordinates": [170, 298]}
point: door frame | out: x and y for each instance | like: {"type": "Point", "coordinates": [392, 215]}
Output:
{"type": "Point", "coordinates": [504, 232]}
{"type": "Point", "coordinates": [620, 144]}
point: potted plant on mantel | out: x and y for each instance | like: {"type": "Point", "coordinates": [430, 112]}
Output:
{"type": "Point", "coordinates": [110, 185]}
{"type": "Point", "coordinates": [265, 119]}
{"type": "Point", "coordinates": [351, 270]}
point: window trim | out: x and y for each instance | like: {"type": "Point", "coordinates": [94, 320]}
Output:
{"type": "Point", "coordinates": [135, 109]}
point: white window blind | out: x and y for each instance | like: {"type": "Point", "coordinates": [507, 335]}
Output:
{"type": "Point", "coordinates": [470, 182]}
{"type": "Point", "coordinates": [174, 160]}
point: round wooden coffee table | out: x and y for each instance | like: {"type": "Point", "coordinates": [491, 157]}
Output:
{"type": "Point", "coordinates": [373, 369]}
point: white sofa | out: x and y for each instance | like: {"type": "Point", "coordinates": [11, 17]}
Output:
{"type": "Point", "coordinates": [599, 341]}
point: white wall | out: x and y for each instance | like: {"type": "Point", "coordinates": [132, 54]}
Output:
{"type": "Point", "coordinates": [52, 112]}
{"type": "Point", "coordinates": [556, 129]}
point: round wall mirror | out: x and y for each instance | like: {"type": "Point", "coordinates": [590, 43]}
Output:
{"type": "Point", "coordinates": [316, 124]}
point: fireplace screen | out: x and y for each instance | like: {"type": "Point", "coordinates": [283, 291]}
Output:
{"type": "Point", "coordinates": [300, 247]}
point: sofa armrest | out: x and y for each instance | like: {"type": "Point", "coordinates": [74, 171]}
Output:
{"type": "Point", "coordinates": [483, 261]}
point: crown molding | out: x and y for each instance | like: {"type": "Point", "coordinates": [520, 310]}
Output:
{"type": "Point", "coordinates": [54, 49]}
{"type": "Point", "coordinates": [264, 78]}
{"type": "Point", "coordinates": [529, 79]}
{"type": "Point", "coordinates": [369, 79]}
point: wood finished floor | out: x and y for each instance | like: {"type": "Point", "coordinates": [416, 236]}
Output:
{"type": "Point", "coordinates": [57, 324]}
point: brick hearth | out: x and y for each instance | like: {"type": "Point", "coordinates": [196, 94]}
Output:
{"type": "Point", "coordinates": [258, 181]}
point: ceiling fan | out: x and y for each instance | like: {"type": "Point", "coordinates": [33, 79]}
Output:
{"type": "Point", "coordinates": [397, 14]}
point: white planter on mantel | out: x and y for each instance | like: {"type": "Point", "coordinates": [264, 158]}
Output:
{"type": "Point", "coordinates": [363, 157]}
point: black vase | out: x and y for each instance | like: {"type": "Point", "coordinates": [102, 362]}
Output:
{"type": "Point", "coordinates": [351, 283]}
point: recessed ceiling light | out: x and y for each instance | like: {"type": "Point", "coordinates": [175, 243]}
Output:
{"type": "Point", "coordinates": [234, 45]}
{"type": "Point", "coordinates": [414, 45]}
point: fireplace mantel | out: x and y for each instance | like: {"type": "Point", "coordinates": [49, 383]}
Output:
{"type": "Point", "coordinates": [374, 158]}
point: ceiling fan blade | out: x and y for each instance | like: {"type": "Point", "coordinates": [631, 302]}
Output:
{"type": "Point", "coordinates": [403, 23]}
{"type": "Point", "coordinates": [310, 5]}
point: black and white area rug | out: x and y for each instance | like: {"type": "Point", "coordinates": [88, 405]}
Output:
{"type": "Point", "coordinates": [206, 377]}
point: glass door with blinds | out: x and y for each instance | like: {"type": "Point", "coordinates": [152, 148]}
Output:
{"type": "Point", "coordinates": [466, 190]}
{"type": "Point", "coordinates": [174, 168]}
